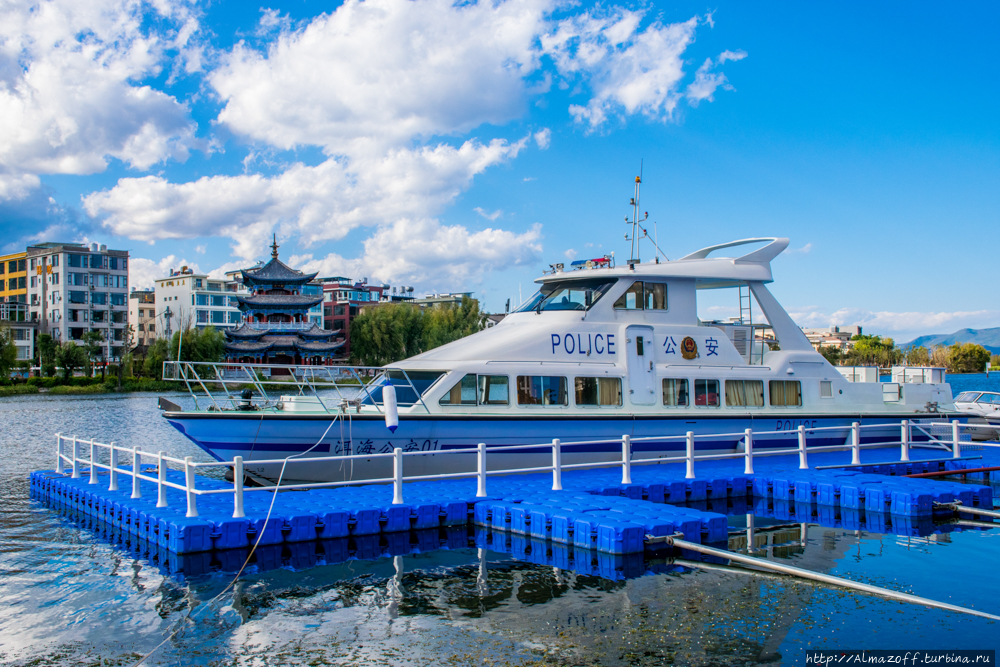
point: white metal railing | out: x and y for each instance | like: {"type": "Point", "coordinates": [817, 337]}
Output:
{"type": "Point", "coordinates": [627, 461]}
{"type": "Point", "coordinates": [283, 326]}
{"type": "Point", "coordinates": [352, 384]}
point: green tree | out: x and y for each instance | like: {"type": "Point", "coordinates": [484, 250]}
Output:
{"type": "Point", "coordinates": [448, 322]}
{"type": "Point", "coordinates": [155, 356]}
{"type": "Point", "coordinates": [8, 353]}
{"type": "Point", "coordinates": [995, 361]}
{"type": "Point", "coordinates": [967, 358]}
{"type": "Point", "coordinates": [832, 354]}
{"type": "Point", "coordinates": [918, 356]}
{"type": "Point", "coordinates": [70, 356]}
{"type": "Point", "coordinates": [385, 334]}
{"type": "Point", "coordinates": [125, 363]}
{"type": "Point", "coordinates": [873, 351]}
{"type": "Point", "coordinates": [93, 346]}
{"type": "Point", "coordinates": [208, 344]}
{"type": "Point", "coordinates": [46, 350]}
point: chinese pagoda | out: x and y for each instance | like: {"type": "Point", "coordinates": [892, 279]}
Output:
{"type": "Point", "coordinates": [276, 327]}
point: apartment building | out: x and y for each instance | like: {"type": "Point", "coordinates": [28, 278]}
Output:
{"type": "Point", "coordinates": [74, 288]}
{"type": "Point", "coordinates": [14, 278]}
{"type": "Point", "coordinates": [17, 317]}
{"type": "Point", "coordinates": [142, 316]}
{"type": "Point", "coordinates": [186, 299]}
{"type": "Point", "coordinates": [343, 301]}
{"type": "Point", "coordinates": [838, 337]}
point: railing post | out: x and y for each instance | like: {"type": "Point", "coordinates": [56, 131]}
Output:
{"type": "Point", "coordinates": [136, 460]}
{"type": "Point", "coordinates": [192, 499]}
{"type": "Point", "coordinates": [803, 462]}
{"type": "Point", "coordinates": [481, 470]}
{"type": "Point", "coordinates": [556, 465]}
{"type": "Point", "coordinates": [76, 453]}
{"type": "Point", "coordinates": [238, 488]}
{"type": "Point", "coordinates": [956, 446]}
{"type": "Point", "coordinates": [904, 441]}
{"type": "Point", "coordinates": [59, 452]}
{"type": "Point", "coordinates": [113, 463]}
{"type": "Point", "coordinates": [93, 468]}
{"type": "Point", "coordinates": [161, 477]}
{"type": "Point", "coordinates": [748, 452]}
{"type": "Point", "coordinates": [855, 443]}
{"type": "Point", "coordinates": [689, 455]}
{"type": "Point", "coordinates": [397, 476]}
{"type": "Point", "coordinates": [626, 459]}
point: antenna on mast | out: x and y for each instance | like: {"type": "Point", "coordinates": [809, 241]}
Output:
{"type": "Point", "coordinates": [634, 248]}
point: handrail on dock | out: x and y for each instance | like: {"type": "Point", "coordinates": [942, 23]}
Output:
{"type": "Point", "coordinates": [75, 458]}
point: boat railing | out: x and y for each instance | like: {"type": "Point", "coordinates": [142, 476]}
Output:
{"type": "Point", "coordinates": [353, 385]}
{"type": "Point", "coordinates": [72, 451]}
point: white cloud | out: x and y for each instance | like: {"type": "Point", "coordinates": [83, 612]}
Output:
{"type": "Point", "coordinates": [486, 214]}
{"type": "Point", "coordinates": [200, 249]}
{"type": "Point", "coordinates": [570, 254]}
{"type": "Point", "coordinates": [143, 272]}
{"type": "Point", "coordinates": [629, 70]}
{"type": "Point", "coordinates": [706, 81]}
{"type": "Point", "coordinates": [375, 74]}
{"type": "Point", "coordinates": [431, 255]}
{"type": "Point", "coordinates": [543, 138]}
{"type": "Point", "coordinates": [911, 324]}
{"type": "Point", "coordinates": [67, 94]}
{"type": "Point", "coordinates": [804, 250]}
{"type": "Point", "coordinates": [319, 203]}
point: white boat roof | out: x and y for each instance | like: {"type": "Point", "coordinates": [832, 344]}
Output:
{"type": "Point", "coordinates": [708, 272]}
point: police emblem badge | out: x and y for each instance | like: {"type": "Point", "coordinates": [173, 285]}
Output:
{"type": "Point", "coordinates": [689, 348]}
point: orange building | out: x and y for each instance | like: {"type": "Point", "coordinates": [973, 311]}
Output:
{"type": "Point", "coordinates": [14, 278]}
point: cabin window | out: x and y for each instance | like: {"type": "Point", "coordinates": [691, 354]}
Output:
{"type": "Point", "coordinates": [825, 389]}
{"type": "Point", "coordinates": [745, 393]}
{"type": "Point", "coordinates": [785, 392]}
{"type": "Point", "coordinates": [567, 295]}
{"type": "Point", "coordinates": [675, 392]}
{"type": "Point", "coordinates": [706, 392]}
{"type": "Point", "coordinates": [493, 390]}
{"type": "Point", "coordinates": [643, 296]}
{"type": "Point", "coordinates": [598, 391]}
{"type": "Point", "coordinates": [463, 393]}
{"type": "Point", "coordinates": [541, 390]}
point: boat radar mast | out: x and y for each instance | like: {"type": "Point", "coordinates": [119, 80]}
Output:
{"type": "Point", "coordinates": [637, 227]}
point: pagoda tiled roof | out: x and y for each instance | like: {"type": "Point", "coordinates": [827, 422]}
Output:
{"type": "Point", "coordinates": [317, 346]}
{"type": "Point", "coordinates": [278, 301]}
{"type": "Point", "coordinates": [317, 334]}
{"type": "Point", "coordinates": [244, 331]}
{"type": "Point", "coordinates": [248, 346]}
{"type": "Point", "coordinates": [276, 272]}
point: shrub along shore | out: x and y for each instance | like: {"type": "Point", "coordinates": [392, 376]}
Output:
{"type": "Point", "coordinates": [85, 385]}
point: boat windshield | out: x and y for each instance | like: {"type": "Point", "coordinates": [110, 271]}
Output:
{"type": "Point", "coordinates": [567, 295]}
{"type": "Point", "coordinates": [967, 396]}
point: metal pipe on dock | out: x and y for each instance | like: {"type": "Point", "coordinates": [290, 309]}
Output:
{"type": "Point", "coordinates": [948, 473]}
{"type": "Point", "coordinates": [825, 578]}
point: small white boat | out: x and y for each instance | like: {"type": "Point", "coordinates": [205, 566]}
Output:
{"type": "Point", "coordinates": [982, 407]}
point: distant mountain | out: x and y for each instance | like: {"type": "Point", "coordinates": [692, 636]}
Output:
{"type": "Point", "coordinates": [988, 338]}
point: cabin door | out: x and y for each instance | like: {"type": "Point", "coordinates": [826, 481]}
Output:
{"type": "Point", "coordinates": [641, 373]}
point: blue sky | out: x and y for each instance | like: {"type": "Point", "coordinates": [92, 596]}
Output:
{"type": "Point", "coordinates": [464, 147]}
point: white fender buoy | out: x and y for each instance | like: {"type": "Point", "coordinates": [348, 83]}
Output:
{"type": "Point", "coordinates": [389, 403]}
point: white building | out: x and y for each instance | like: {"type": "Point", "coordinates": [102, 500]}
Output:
{"type": "Point", "coordinates": [186, 299]}
{"type": "Point", "coordinates": [17, 318]}
{"type": "Point", "coordinates": [142, 316]}
{"type": "Point", "coordinates": [73, 289]}
{"type": "Point", "coordinates": [838, 337]}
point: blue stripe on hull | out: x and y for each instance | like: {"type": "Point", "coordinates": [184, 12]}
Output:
{"type": "Point", "coordinates": [224, 438]}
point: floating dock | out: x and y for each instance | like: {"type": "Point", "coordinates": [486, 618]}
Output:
{"type": "Point", "coordinates": [593, 512]}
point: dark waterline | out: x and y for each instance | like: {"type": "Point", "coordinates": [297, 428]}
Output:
{"type": "Point", "coordinates": [67, 597]}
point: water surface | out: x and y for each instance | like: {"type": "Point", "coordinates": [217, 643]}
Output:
{"type": "Point", "coordinates": [68, 597]}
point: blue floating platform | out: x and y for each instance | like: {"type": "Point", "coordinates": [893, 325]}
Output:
{"type": "Point", "coordinates": [594, 511]}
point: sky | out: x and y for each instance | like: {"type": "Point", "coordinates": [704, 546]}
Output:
{"type": "Point", "coordinates": [467, 146]}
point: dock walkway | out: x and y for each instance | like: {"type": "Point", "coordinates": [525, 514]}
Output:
{"type": "Point", "coordinates": [594, 510]}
